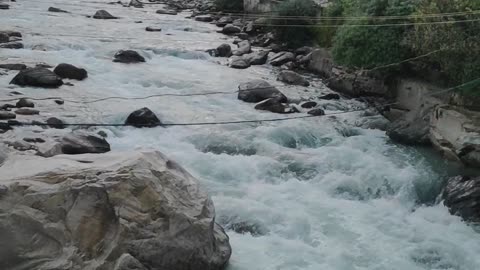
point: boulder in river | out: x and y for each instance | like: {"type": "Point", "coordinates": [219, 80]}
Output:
{"type": "Point", "coordinates": [153, 29]}
{"type": "Point", "coordinates": [224, 50]}
{"type": "Point", "coordinates": [12, 45]}
{"type": "Point", "coordinates": [143, 117]}
{"type": "Point", "coordinates": [230, 29]}
{"type": "Point", "coordinates": [309, 104]}
{"type": "Point", "coordinates": [462, 196]}
{"type": "Point", "coordinates": [70, 72]}
{"type": "Point", "coordinates": [39, 77]}
{"type": "Point", "coordinates": [204, 18]}
{"type": "Point", "coordinates": [75, 144]}
{"type": "Point", "coordinates": [317, 112]}
{"type": "Point", "coordinates": [4, 6]}
{"type": "Point", "coordinates": [27, 111]}
{"type": "Point", "coordinates": [239, 62]}
{"type": "Point", "coordinates": [103, 15]}
{"type": "Point", "coordinates": [244, 47]}
{"type": "Point", "coordinates": [54, 122]}
{"type": "Point", "coordinates": [128, 56]}
{"type": "Point", "coordinates": [256, 58]}
{"type": "Point", "coordinates": [54, 9]}
{"type": "Point", "coordinates": [7, 115]}
{"type": "Point", "coordinates": [259, 90]}
{"type": "Point", "coordinates": [291, 77]}
{"type": "Point", "coordinates": [124, 211]}
{"type": "Point", "coordinates": [166, 12]}
{"type": "Point", "coordinates": [13, 66]}
{"type": "Point", "coordinates": [411, 131]}
{"type": "Point", "coordinates": [282, 58]}
{"type": "Point", "coordinates": [274, 105]}
{"type": "Point", "coordinates": [25, 103]}
{"type": "Point", "coordinates": [4, 38]}
{"type": "Point", "coordinates": [224, 21]}
{"type": "Point", "coordinates": [331, 96]}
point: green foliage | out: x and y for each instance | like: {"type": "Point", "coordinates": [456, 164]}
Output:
{"type": "Point", "coordinates": [229, 5]}
{"type": "Point", "coordinates": [359, 46]}
{"type": "Point", "coordinates": [295, 36]}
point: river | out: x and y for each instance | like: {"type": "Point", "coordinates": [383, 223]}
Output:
{"type": "Point", "coordinates": [317, 193]}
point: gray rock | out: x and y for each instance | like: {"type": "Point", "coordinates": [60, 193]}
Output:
{"type": "Point", "coordinates": [143, 118]}
{"type": "Point", "coordinates": [250, 28]}
{"type": "Point", "coordinates": [39, 77]}
{"type": "Point", "coordinates": [274, 105]}
{"type": "Point", "coordinates": [59, 101]}
{"type": "Point", "coordinates": [4, 38]}
{"type": "Point", "coordinates": [27, 111]}
{"type": "Point", "coordinates": [4, 6]}
{"type": "Point", "coordinates": [259, 90]}
{"type": "Point", "coordinates": [239, 62]}
{"type": "Point", "coordinates": [75, 144]}
{"type": "Point", "coordinates": [204, 18]}
{"type": "Point", "coordinates": [230, 29]}
{"type": "Point", "coordinates": [303, 50]}
{"type": "Point", "coordinates": [331, 96]}
{"type": "Point", "coordinates": [316, 112]}
{"type": "Point", "coordinates": [153, 29]}
{"type": "Point", "coordinates": [70, 72]}
{"type": "Point", "coordinates": [309, 104]}
{"type": "Point", "coordinates": [13, 66]}
{"type": "Point", "coordinates": [242, 36]}
{"type": "Point", "coordinates": [123, 211]}
{"type": "Point", "coordinates": [103, 15]}
{"type": "Point", "coordinates": [7, 115]}
{"type": "Point", "coordinates": [54, 9]}
{"type": "Point", "coordinates": [257, 58]}
{"type": "Point", "coordinates": [21, 145]}
{"type": "Point", "coordinates": [166, 12]}
{"type": "Point", "coordinates": [462, 196]}
{"type": "Point", "coordinates": [224, 21]}
{"type": "Point", "coordinates": [319, 61]}
{"type": "Point", "coordinates": [224, 50]}
{"type": "Point", "coordinates": [12, 33]}
{"type": "Point", "coordinates": [34, 140]}
{"type": "Point", "coordinates": [411, 131]}
{"type": "Point", "coordinates": [128, 56]}
{"type": "Point", "coordinates": [54, 122]}
{"type": "Point", "coordinates": [282, 58]}
{"type": "Point", "coordinates": [11, 45]}
{"type": "Point", "coordinates": [293, 78]}
{"type": "Point", "coordinates": [244, 47]}
{"type": "Point", "coordinates": [24, 102]}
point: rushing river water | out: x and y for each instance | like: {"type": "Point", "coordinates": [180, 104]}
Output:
{"type": "Point", "coordinates": [314, 193]}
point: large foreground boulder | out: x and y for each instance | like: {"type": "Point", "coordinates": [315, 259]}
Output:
{"type": "Point", "coordinates": [462, 196]}
{"type": "Point", "coordinates": [113, 211]}
{"type": "Point", "coordinates": [70, 72]}
{"type": "Point", "coordinates": [259, 90]}
{"type": "Point", "coordinates": [40, 77]}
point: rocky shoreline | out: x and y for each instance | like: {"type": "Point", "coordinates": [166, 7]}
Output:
{"type": "Point", "coordinates": [140, 210]}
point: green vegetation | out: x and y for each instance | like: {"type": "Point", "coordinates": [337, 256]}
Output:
{"type": "Point", "coordinates": [295, 36]}
{"type": "Point", "coordinates": [229, 5]}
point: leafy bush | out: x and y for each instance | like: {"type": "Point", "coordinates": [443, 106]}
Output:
{"type": "Point", "coordinates": [229, 5]}
{"type": "Point", "coordinates": [295, 36]}
{"type": "Point", "coordinates": [362, 46]}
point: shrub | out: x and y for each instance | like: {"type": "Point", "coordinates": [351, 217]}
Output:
{"type": "Point", "coordinates": [295, 36]}
{"type": "Point", "coordinates": [229, 5]}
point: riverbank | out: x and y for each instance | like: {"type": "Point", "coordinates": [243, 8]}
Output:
{"type": "Point", "coordinates": [323, 192]}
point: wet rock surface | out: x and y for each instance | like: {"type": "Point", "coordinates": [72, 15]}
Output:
{"type": "Point", "coordinates": [68, 71]}
{"type": "Point", "coordinates": [259, 90]}
{"type": "Point", "coordinates": [128, 57]}
{"type": "Point", "coordinates": [39, 77]}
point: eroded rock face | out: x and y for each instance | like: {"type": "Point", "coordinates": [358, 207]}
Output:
{"type": "Point", "coordinates": [462, 197]}
{"type": "Point", "coordinates": [112, 212]}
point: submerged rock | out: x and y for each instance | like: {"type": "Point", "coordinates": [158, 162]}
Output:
{"type": "Point", "coordinates": [128, 56]}
{"type": "Point", "coordinates": [4, 38]}
{"type": "Point", "coordinates": [27, 111]}
{"type": "Point", "coordinates": [153, 29]}
{"type": "Point", "coordinates": [70, 72]}
{"type": "Point", "coordinates": [291, 77]}
{"type": "Point", "coordinates": [11, 45]}
{"type": "Point", "coordinates": [143, 118]}
{"type": "Point", "coordinates": [259, 90]}
{"type": "Point", "coordinates": [316, 112]}
{"type": "Point", "coordinates": [120, 210]}
{"type": "Point", "coordinates": [274, 105]}
{"type": "Point", "coordinates": [462, 196]}
{"type": "Point", "coordinates": [166, 12]}
{"type": "Point", "coordinates": [40, 77]}
{"type": "Point", "coordinates": [103, 15]}
{"type": "Point", "coordinates": [54, 9]}
{"type": "Point", "coordinates": [4, 6]}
